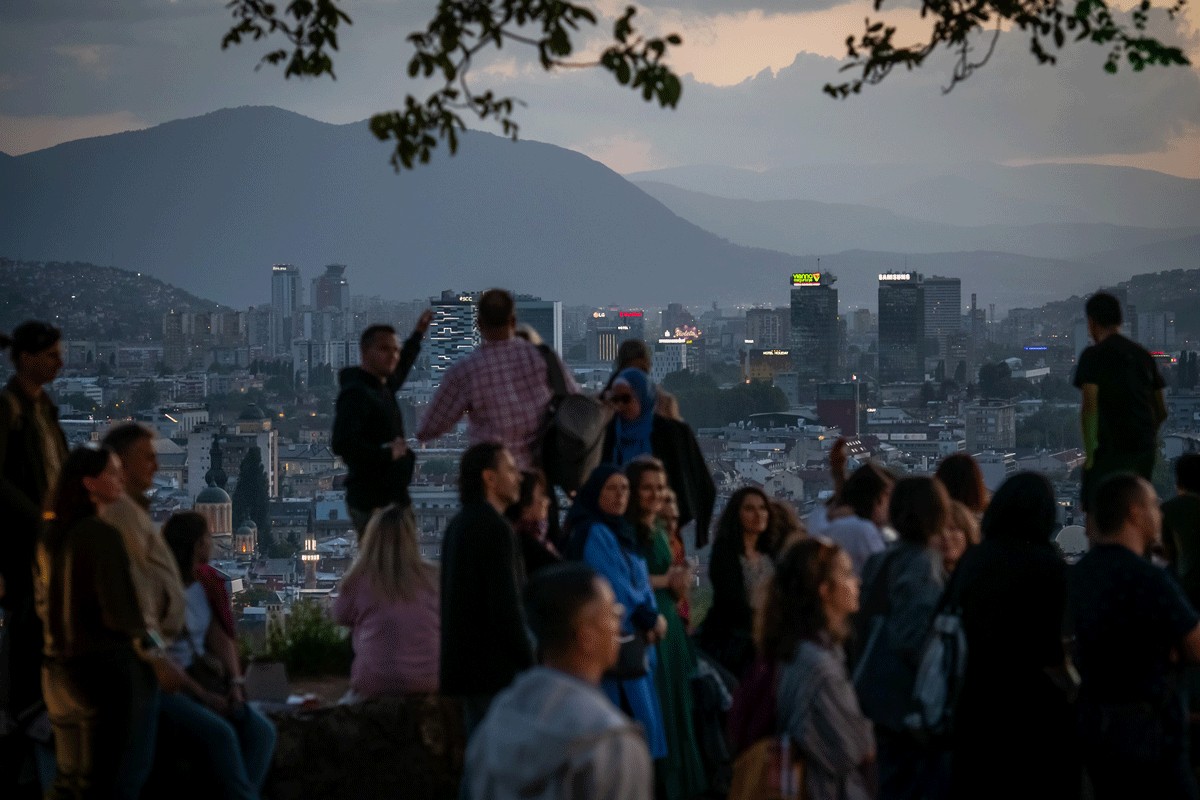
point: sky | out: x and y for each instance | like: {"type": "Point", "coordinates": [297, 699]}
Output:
{"type": "Point", "coordinates": [753, 73]}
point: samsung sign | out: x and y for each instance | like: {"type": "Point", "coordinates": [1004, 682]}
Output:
{"type": "Point", "coordinates": [895, 276]}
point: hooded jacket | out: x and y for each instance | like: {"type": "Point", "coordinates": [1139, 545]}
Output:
{"type": "Point", "coordinates": [368, 419]}
{"type": "Point", "coordinates": [551, 736]}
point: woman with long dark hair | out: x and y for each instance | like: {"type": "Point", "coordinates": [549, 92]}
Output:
{"type": "Point", "coordinates": [232, 739]}
{"type": "Point", "coordinates": [530, 517]}
{"type": "Point", "coordinates": [100, 693]}
{"type": "Point", "coordinates": [601, 536]}
{"type": "Point", "coordinates": [1014, 727]}
{"type": "Point", "coordinates": [739, 568]}
{"type": "Point", "coordinates": [681, 775]}
{"type": "Point", "coordinates": [963, 479]}
{"type": "Point", "coordinates": [804, 620]}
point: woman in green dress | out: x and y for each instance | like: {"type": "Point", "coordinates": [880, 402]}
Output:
{"type": "Point", "coordinates": [679, 776]}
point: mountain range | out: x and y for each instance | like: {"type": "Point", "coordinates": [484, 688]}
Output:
{"type": "Point", "coordinates": [208, 203]}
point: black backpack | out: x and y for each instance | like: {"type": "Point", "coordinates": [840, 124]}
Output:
{"type": "Point", "coordinates": [571, 440]}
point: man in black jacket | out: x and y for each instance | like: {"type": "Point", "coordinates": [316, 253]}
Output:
{"type": "Point", "coordinates": [368, 431]}
{"type": "Point", "coordinates": [484, 641]}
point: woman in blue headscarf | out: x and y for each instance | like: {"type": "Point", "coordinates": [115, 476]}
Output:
{"type": "Point", "coordinates": [637, 430]}
{"type": "Point", "coordinates": [600, 536]}
{"type": "Point", "coordinates": [633, 396]}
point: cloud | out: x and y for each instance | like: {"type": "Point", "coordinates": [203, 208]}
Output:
{"type": "Point", "coordinates": [20, 135]}
{"type": "Point", "coordinates": [94, 59]}
{"type": "Point", "coordinates": [752, 96]}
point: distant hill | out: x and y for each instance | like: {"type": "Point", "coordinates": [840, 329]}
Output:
{"type": "Point", "coordinates": [965, 194]}
{"type": "Point", "coordinates": [805, 227]}
{"type": "Point", "coordinates": [209, 203]}
{"type": "Point", "coordinates": [89, 302]}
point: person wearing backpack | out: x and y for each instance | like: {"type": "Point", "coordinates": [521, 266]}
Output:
{"type": "Point", "coordinates": [801, 676]}
{"type": "Point", "coordinates": [1014, 729]}
{"type": "Point", "coordinates": [903, 588]}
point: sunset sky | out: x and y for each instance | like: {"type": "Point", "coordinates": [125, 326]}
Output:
{"type": "Point", "coordinates": [751, 98]}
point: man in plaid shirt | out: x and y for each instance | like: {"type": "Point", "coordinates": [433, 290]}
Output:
{"type": "Point", "coordinates": [502, 387]}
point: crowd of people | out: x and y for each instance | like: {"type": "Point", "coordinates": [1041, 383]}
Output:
{"type": "Point", "coordinates": [572, 638]}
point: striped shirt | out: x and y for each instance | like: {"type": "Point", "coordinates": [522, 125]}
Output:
{"type": "Point", "coordinates": [502, 389]}
{"type": "Point", "coordinates": [818, 708]}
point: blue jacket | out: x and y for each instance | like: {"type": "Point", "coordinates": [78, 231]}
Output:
{"type": "Point", "coordinates": [626, 570]}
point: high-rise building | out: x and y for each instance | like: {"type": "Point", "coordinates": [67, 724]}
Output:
{"type": "Point", "coordinates": [815, 334]}
{"type": "Point", "coordinates": [609, 327]}
{"type": "Point", "coordinates": [901, 327]}
{"type": "Point", "coordinates": [285, 302]}
{"type": "Point", "coordinates": [838, 404]}
{"type": "Point", "coordinates": [769, 328]}
{"type": "Point", "coordinates": [453, 333]}
{"type": "Point", "coordinates": [943, 314]}
{"type": "Point", "coordinates": [991, 425]}
{"type": "Point", "coordinates": [331, 290]}
{"type": "Point", "coordinates": [864, 320]}
{"type": "Point", "coordinates": [678, 321]}
{"type": "Point", "coordinates": [545, 317]}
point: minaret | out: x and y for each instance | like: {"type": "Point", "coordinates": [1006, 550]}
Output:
{"type": "Point", "coordinates": [309, 557]}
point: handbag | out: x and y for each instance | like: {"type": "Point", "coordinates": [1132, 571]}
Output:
{"type": "Point", "coordinates": [206, 669]}
{"type": "Point", "coordinates": [633, 659]}
{"type": "Point", "coordinates": [770, 769]}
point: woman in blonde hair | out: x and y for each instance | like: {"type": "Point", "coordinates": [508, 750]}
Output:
{"type": "Point", "coordinates": [389, 600]}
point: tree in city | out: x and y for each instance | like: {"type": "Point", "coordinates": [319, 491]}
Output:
{"type": "Point", "coordinates": [461, 32]}
{"type": "Point", "coordinates": [995, 381]}
{"type": "Point", "coordinates": [145, 395]}
{"type": "Point", "coordinates": [705, 405]}
{"type": "Point", "coordinates": [960, 373]}
{"type": "Point", "coordinates": [251, 500]}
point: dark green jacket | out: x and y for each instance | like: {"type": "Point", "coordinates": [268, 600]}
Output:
{"type": "Point", "coordinates": [23, 489]}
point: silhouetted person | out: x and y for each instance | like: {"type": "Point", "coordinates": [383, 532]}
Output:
{"type": "Point", "coordinates": [1131, 623]}
{"type": "Point", "coordinates": [484, 644]}
{"type": "Point", "coordinates": [1122, 399]}
{"type": "Point", "coordinates": [1181, 526]}
{"type": "Point", "coordinates": [1012, 589]}
{"type": "Point", "coordinates": [368, 431]}
{"type": "Point", "coordinates": [32, 451]}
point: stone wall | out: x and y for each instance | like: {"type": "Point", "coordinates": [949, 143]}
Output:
{"type": "Point", "coordinates": [402, 748]}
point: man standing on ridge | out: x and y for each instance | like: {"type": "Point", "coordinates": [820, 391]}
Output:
{"type": "Point", "coordinates": [1122, 400]}
{"type": "Point", "coordinates": [368, 430]}
{"type": "Point", "coordinates": [502, 387]}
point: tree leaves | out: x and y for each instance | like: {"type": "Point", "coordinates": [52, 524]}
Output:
{"type": "Point", "coordinates": [962, 26]}
{"type": "Point", "coordinates": [461, 29]}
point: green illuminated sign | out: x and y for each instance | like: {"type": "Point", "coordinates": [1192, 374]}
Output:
{"type": "Point", "coordinates": [806, 279]}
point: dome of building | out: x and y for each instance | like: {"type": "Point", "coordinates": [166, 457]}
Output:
{"type": "Point", "coordinates": [247, 528]}
{"type": "Point", "coordinates": [252, 413]}
{"type": "Point", "coordinates": [212, 495]}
